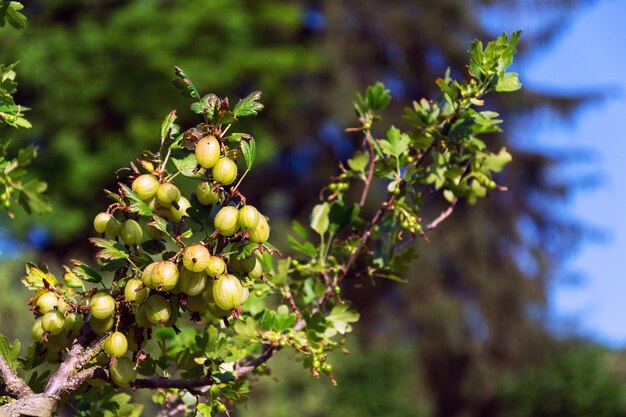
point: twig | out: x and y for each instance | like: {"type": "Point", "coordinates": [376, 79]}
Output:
{"type": "Point", "coordinates": [292, 303]}
{"type": "Point", "coordinates": [444, 215]}
{"type": "Point", "coordinates": [370, 173]}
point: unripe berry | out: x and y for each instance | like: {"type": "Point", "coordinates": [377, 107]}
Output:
{"type": "Point", "coordinates": [122, 372]}
{"type": "Point", "coordinates": [37, 330]}
{"type": "Point", "coordinates": [226, 221]}
{"type": "Point", "coordinates": [196, 258]}
{"type": "Point", "coordinates": [73, 323]}
{"type": "Point", "coordinates": [206, 195]}
{"type": "Point", "coordinates": [102, 305]}
{"type": "Point", "coordinates": [191, 283]}
{"type": "Point", "coordinates": [154, 233]}
{"type": "Point", "coordinates": [167, 194]}
{"type": "Point", "coordinates": [177, 214]}
{"type": "Point", "coordinates": [257, 271]}
{"type": "Point", "coordinates": [248, 217]}
{"type": "Point", "coordinates": [132, 295]}
{"type": "Point", "coordinates": [216, 311]}
{"type": "Point", "coordinates": [47, 302]}
{"type": "Point", "coordinates": [146, 275]}
{"type": "Point", "coordinates": [104, 222]}
{"type": "Point", "coordinates": [216, 266]}
{"type": "Point", "coordinates": [242, 266]}
{"type": "Point", "coordinates": [261, 232]}
{"type": "Point", "coordinates": [145, 186]}
{"type": "Point", "coordinates": [140, 317]}
{"type": "Point", "coordinates": [225, 171]}
{"type": "Point", "coordinates": [100, 222]}
{"type": "Point", "coordinates": [131, 232]}
{"type": "Point", "coordinates": [196, 303]}
{"type": "Point", "coordinates": [164, 276]}
{"type": "Point", "coordinates": [207, 152]}
{"type": "Point", "coordinates": [116, 344]}
{"type": "Point", "coordinates": [228, 292]}
{"type": "Point", "coordinates": [158, 310]}
{"type": "Point", "coordinates": [101, 326]}
{"type": "Point", "coordinates": [207, 293]}
{"type": "Point", "coordinates": [52, 322]}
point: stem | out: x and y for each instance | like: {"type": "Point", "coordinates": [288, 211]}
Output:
{"type": "Point", "coordinates": [370, 172]}
{"type": "Point", "coordinates": [240, 179]}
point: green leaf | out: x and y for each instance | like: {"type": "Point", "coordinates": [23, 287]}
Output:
{"type": "Point", "coordinates": [137, 204]}
{"type": "Point", "coordinates": [396, 143]}
{"type": "Point", "coordinates": [9, 351]}
{"type": "Point", "coordinates": [85, 272]}
{"type": "Point", "coordinates": [187, 166]}
{"type": "Point", "coordinates": [285, 319]}
{"type": "Point", "coordinates": [205, 410]}
{"type": "Point", "coordinates": [168, 123]}
{"type": "Point", "coordinates": [184, 85]}
{"type": "Point", "coordinates": [341, 316]}
{"type": "Point", "coordinates": [111, 250]}
{"type": "Point", "coordinates": [297, 227]}
{"type": "Point", "coordinates": [248, 106]}
{"type": "Point", "coordinates": [36, 275]}
{"type": "Point", "coordinates": [319, 218]}
{"type": "Point", "coordinates": [340, 215]}
{"type": "Point", "coordinates": [377, 98]}
{"type": "Point", "coordinates": [496, 162]}
{"type": "Point", "coordinates": [508, 82]}
{"type": "Point", "coordinates": [248, 149]}
{"type": "Point", "coordinates": [359, 161]}
{"type": "Point", "coordinates": [31, 197]}
{"type": "Point", "coordinates": [9, 11]}
{"type": "Point", "coordinates": [307, 247]}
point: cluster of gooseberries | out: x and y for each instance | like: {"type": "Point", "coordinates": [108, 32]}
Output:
{"type": "Point", "coordinates": [198, 277]}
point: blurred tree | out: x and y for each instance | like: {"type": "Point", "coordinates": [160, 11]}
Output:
{"type": "Point", "coordinates": [474, 301]}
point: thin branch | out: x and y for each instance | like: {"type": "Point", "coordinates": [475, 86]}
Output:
{"type": "Point", "coordinates": [269, 351]}
{"type": "Point", "coordinates": [65, 377]}
{"type": "Point", "coordinates": [292, 303]}
{"type": "Point", "coordinates": [13, 384]}
{"type": "Point", "coordinates": [370, 173]}
{"type": "Point", "coordinates": [444, 215]}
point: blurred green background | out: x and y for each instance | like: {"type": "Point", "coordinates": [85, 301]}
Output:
{"type": "Point", "coordinates": [466, 336]}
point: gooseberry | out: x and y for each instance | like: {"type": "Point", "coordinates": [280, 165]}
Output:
{"type": "Point", "coordinates": [158, 310]}
{"type": "Point", "coordinates": [207, 151]}
{"type": "Point", "coordinates": [206, 195]}
{"type": "Point", "coordinates": [101, 326]}
{"type": "Point", "coordinates": [122, 372]}
{"type": "Point", "coordinates": [145, 186]}
{"type": "Point", "coordinates": [177, 214]}
{"type": "Point", "coordinates": [167, 194]}
{"type": "Point", "coordinates": [132, 293]}
{"type": "Point", "coordinates": [216, 266]}
{"type": "Point", "coordinates": [164, 276]}
{"type": "Point", "coordinates": [52, 322]}
{"type": "Point", "coordinates": [154, 233]}
{"type": "Point", "coordinates": [261, 232]}
{"type": "Point", "coordinates": [226, 221]}
{"type": "Point", "coordinates": [37, 330]}
{"type": "Point", "coordinates": [228, 292]}
{"type": "Point", "coordinates": [47, 302]}
{"type": "Point", "coordinates": [196, 303]}
{"type": "Point", "coordinates": [116, 344]}
{"type": "Point", "coordinates": [73, 322]}
{"type": "Point", "coordinates": [191, 283]}
{"type": "Point", "coordinates": [196, 258]}
{"type": "Point", "coordinates": [102, 305]}
{"type": "Point", "coordinates": [248, 217]}
{"type": "Point", "coordinates": [225, 171]}
{"type": "Point", "coordinates": [131, 232]}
